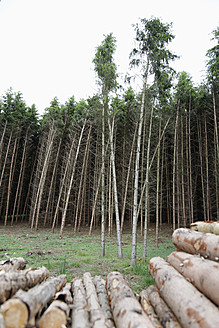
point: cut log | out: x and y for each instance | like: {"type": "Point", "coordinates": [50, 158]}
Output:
{"type": "Point", "coordinates": [11, 281]}
{"type": "Point", "coordinates": [102, 295]}
{"type": "Point", "coordinates": [206, 226]}
{"type": "Point", "coordinates": [164, 313]}
{"type": "Point", "coordinates": [97, 317]}
{"type": "Point", "coordinates": [80, 316]}
{"type": "Point", "coordinates": [194, 242]}
{"type": "Point", "coordinates": [127, 311]}
{"type": "Point", "coordinates": [202, 273]}
{"type": "Point", "coordinates": [16, 263]}
{"type": "Point", "coordinates": [191, 308]}
{"type": "Point", "coordinates": [23, 307]}
{"type": "Point", "coordinates": [2, 322]}
{"type": "Point", "coordinates": [148, 309]}
{"type": "Point", "coordinates": [55, 316]}
{"type": "Point", "coordinates": [65, 294]}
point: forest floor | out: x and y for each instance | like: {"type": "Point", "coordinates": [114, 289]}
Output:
{"type": "Point", "coordinates": [77, 253]}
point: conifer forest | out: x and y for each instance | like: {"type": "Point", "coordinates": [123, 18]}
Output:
{"type": "Point", "coordinates": [119, 160]}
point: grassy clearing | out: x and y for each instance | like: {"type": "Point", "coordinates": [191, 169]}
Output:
{"type": "Point", "coordinates": [75, 254]}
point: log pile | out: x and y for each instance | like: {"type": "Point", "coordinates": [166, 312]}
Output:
{"type": "Point", "coordinates": [186, 293]}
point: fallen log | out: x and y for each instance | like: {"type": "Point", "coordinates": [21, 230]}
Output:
{"type": "Point", "coordinates": [195, 242]}
{"type": "Point", "coordinates": [148, 308]}
{"type": "Point", "coordinates": [202, 273]}
{"type": "Point", "coordinates": [80, 315]}
{"type": "Point", "coordinates": [55, 316]}
{"type": "Point", "coordinates": [2, 322]}
{"type": "Point", "coordinates": [127, 311]}
{"type": "Point", "coordinates": [16, 263]}
{"type": "Point", "coordinates": [22, 308]}
{"type": "Point", "coordinates": [164, 313]}
{"type": "Point", "coordinates": [12, 281]}
{"type": "Point", "coordinates": [100, 285]}
{"type": "Point", "coordinates": [97, 317]}
{"type": "Point", "coordinates": [191, 308]}
{"type": "Point", "coordinates": [206, 226]}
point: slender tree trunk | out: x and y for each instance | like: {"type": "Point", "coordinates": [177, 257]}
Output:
{"type": "Point", "coordinates": [20, 176]}
{"type": "Point", "coordinates": [63, 183]}
{"type": "Point", "coordinates": [190, 169]}
{"type": "Point", "coordinates": [207, 173]}
{"type": "Point", "coordinates": [116, 202]}
{"type": "Point", "coordinates": [10, 181]}
{"type": "Point", "coordinates": [147, 184]}
{"type": "Point", "coordinates": [201, 167]}
{"type": "Point", "coordinates": [174, 168]}
{"type": "Point", "coordinates": [103, 185]}
{"type": "Point", "coordinates": [158, 185]}
{"type": "Point", "coordinates": [6, 157]}
{"type": "Point", "coordinates": [137, 159]}
{"type": "Point", "coordinates": [71, 181]}
{"type": "Point", "coordinates": [182, 172]}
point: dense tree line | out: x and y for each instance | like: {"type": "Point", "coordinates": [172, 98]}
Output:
{"type": "Point", "coordinates": [118, 158]}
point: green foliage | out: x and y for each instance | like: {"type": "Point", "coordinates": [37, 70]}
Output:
{"type": "Point", "coordinates": [104, 64]}
{"type": "Point", "coordinates": [213, 62]}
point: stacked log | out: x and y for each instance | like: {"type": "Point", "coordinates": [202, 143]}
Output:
{"type": "Point", "coordinates": [206, 226]}
{"type": "Point", "coordinates": [15, 263]}
{"type": "Point", "coordinates": [188, 280]}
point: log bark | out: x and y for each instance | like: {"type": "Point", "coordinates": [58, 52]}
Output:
{"type": "Point", "coordinates": [164, 313]}
{"type": "Point", "coordinates": [127, 311]}
{"type": "Point", "coordinates": [23, 307]}
{"type": "Point", "coordinates": [80, 315]}
{"type": "Point", "coordinates": [97, 317]}
{"type": "Point", "coordinates": [191, 308]}
{"type": "Point", "coordinates": [55, 316]}
{"type": "Point", "coordinates": [11, 281]}
{"type": "Point", "coordinates": [148, 309]}
{"type": "Point", "coordinates": [194, 242]}
{"type": "Point", "coordinates": [65, 294]}
{"type": "Point", "coordinates": [202, 273]}
{"type": "Point", "coordinates": [102, 295]}
{"type": "Point", "coordinates": [16, 263]}
{"type": "Point", "coordinates": [2, 322]}
{"type": "Point", "coordinates": [206, 226]}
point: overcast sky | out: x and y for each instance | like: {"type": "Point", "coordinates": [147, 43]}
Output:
{"type": "Point", "coordinates": [47, 46]}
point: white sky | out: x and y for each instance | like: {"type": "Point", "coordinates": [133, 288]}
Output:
{"type": "Point", "coordinates": [47, 46]}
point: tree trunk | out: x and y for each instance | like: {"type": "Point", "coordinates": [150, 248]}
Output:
{"type": "Point", "coordinates": [164, 313]}
{"type": "Point", "coordinates": [158, 186]}
{"type": "Point", "coordinates": [27, 304]}
{"type": "Point", "coordinates": [174, 168]}
{"type": "Point", "coordinates": [194, 242]}
{"type": "Point", "coordinates": [149, 309]}
{"type": "Point", "coordinates": [13, 280]}
{"type": "Point", "coordinates": [70, 183]}
{"type": "Point", "coordinates": [137, 159]}
{"type": "Point", "coordinates": [116, 202]}
{"type": "Point", "coordinates": [191, 308]}
{"type": "Point", "coordinates": [202, 273]}
{"type": "Point", "coordinates": [147, 184]}
{"type": "Point", "coordinates": [127, 311]}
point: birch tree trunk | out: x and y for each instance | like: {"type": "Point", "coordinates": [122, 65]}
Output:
{"type": "Point", "coordinates": [71, 181]}
{"type": "Point", "coordinates": [174, 168]}
{"type": "Point", "coordinates": [137, 159]}
{"type": "Point", "coordinates": [120, 255]}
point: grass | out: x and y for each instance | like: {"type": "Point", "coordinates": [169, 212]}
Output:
{"type": "Point", "coordinates": [75, 254]}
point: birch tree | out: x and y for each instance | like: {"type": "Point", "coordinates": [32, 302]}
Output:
{"type": "Point", "coordinates": [106, 71]}
{"type": "Point", "coordinates": [152, 37]}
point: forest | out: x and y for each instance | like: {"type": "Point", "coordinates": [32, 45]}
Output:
{"type": "Point", "coordinates": [119, 160]}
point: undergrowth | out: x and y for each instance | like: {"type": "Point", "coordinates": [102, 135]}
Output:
{"type": "Point", "coordinates": [75, 254]}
